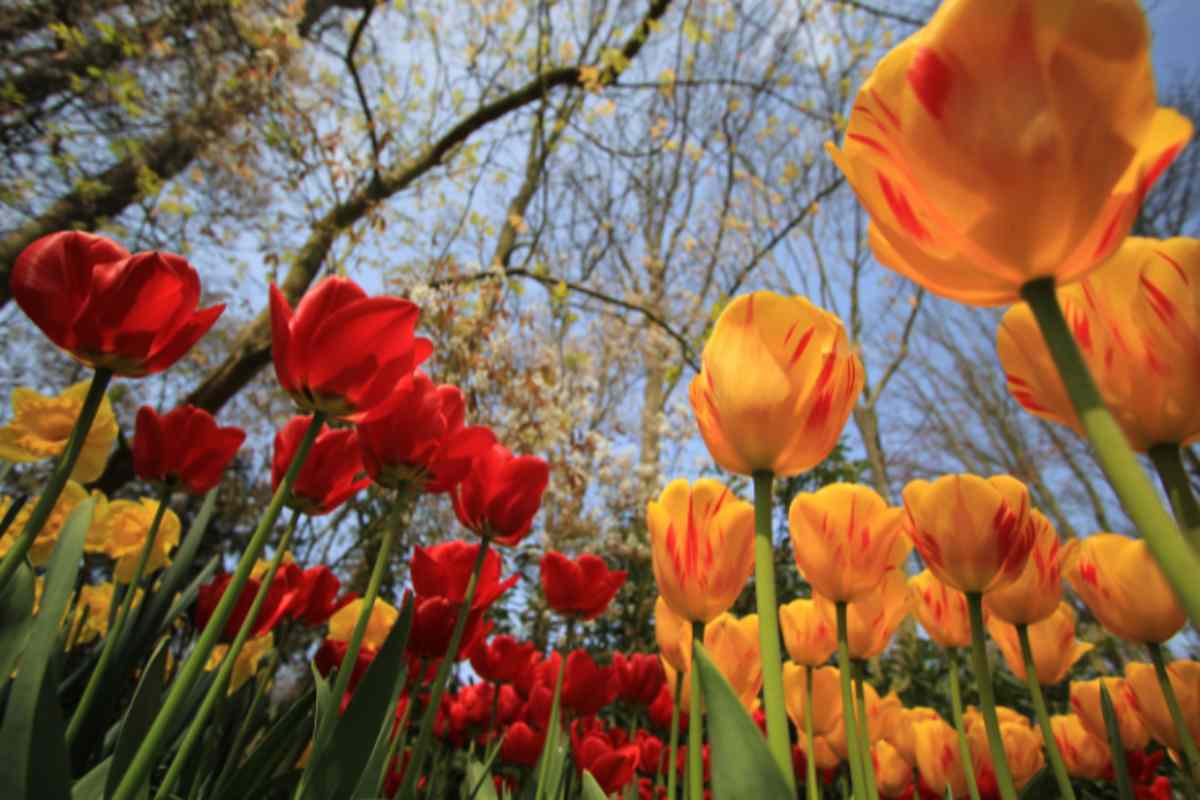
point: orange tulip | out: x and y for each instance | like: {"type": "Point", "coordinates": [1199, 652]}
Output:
{"type": "Point", "coordinates": [899, 729]}
{"type": "Point", "coordinates": [973, 533]}
{"type": "Point", "coordinates": [777, 383]}
{"type": "Point", "coordinates": [807, 633]}
{"type": "Point", "coordinates": [1137, 323]}
{"type": "Point", "coordinates": [702, 547]}
{"type": "Point", "coordinates": [1085, 754]}
{"type": "Point", "coordinates": [379, 625]}
{"type": "Point", "coordinates": [1122, 584]}
{"type": "Point", "coordinates": [1022, 746]}
{"type": "Point", "coordinates": [1037, 591]}
{"type": "Point", "coordinates": [938, 758]}
{"type": "Point", "coordinates": [826, 757]}
{"type": "Point", "coordinates": [1085, 702]}
{"type": "Point", "coordinates": [1152, 705]}
{"type": "Point", "coordinates": [1009, 141]}
{"type": "Point", "coordinates": [837, 737]}
{"type": "Point", "coordinates": [942, 611]}
{"type": "Point", "coordinates": [827, 698]}
{"type": "Point", "coordinates": [843, 538]}
{"type": "Point", "coordinates": [732, 644]}
{"type": "Point", "coordinates": [893, 775]}
{"type": "Point", "coordinates": [872, 621]}
{"type": "Point", "coordinates": [674, 636]}
{"type": "Point", "coordinates": [1055, 648]}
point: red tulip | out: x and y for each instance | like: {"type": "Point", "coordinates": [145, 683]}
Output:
{"type": "Point", "coordinates": [328, 476]}
{"type": "Point", "coordinates": [661, 709]}
{"type": "Point", "coordinates": [132, 314]}
{"type": "Point", "coordinates": [587, 688]}
{"type": "Point", "coordinates": [640, 677]}
{"type": "Point", "coordinates": [581, 588]}
{"type": "Point", "coordinates": [539, 706]}
{"type": "Point", "coordinates": [342, 352]}
{"type": "Point", "coordinates": [502, 660]}
{"type": "Point", "coordinates": [611, 764]}
{"type": "Point", "coordinates": [421, 439]}
{"type": "Point", "coordinates": [522, 745]}
{"type": "Point", "coordinates": [184, 445]}
{"type": "Point", "coordinates": [330, 654]}
{"type": "Point", "coordinates": [444, 570]}
{"type": "Point", "coordinates": [501, 494]}
{"type": "Point", "coordinates": [316, 597]}
{"type": "Point", "coordinates": [651, 753]}
{"type": "Point", "coordinates": [278, 602]}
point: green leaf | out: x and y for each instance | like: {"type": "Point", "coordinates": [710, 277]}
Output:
{"type": "Point", "coordinates": [1120, 765]}
{"type": "Point", "coordinates": [742, 766]}
{"type": "Point", "coordinates": [339, 764]}
{"type": "Point", "coordinates": [34, 760]}
{"type": "Point", "coordinates": [591, 789]}
{"type": "Point", "coordinates": [16, 619]}
{"type": "Point", "coordinates": [477, 784]}
{"type": "Point", "coordinates": [147, 700]}
{"type": "Point", "coordinates": [286, 737]}
{"type": "Point", "coordinates": [91, 785]}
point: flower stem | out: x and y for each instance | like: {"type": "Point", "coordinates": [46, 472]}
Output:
{"type": "Point", "coordinates": [1191, 758]}
{"type": "Point", "coordinates": [1178, 561]}
{"type": "Point", "coordinates": [1039, 706]}
{"type": "Point", "coordinates": [672, 758]}
{"type": "Point", "coordinates": [810, 755]}
{"type": "Point", "coordinates": [695, 752]}
{"type": "Point", "coordinates": [858, 785]}
{"type": "Point", "coordinates": [778, 739]}
{"type": "Point", "coordinates": [1116, 747]}
{"type": "Point", "coordinates": [553, 728]}
{"type": "Point", "coordinates": [156, 738]}
{"type": "Point", "coordinates": [216, 690]}
{"type": "Point", "coordinates": [1169, 465]}
{"type": "Point", "coordinates": [118, 625]}
{"type": "Point", "coordinates": [58, 478]}
{"type": "Point", "coordinates": [956, 710]}
{"type": "Point", "coordinates": [987, 700]}
{"type": "Point", "coordinates": [864, 731]}
{"type": "Point", "coordinates": [408, 788]}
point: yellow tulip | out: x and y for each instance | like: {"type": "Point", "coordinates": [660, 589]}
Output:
{"type": "Point", "coordinates": [939, 759]}
{"type": "Point", "coordinates": [1124, 587]}
{"type": "Point", "coordinates": [1055, 648]}
{"type": "Point", "coordinates": [120, 529]}
{"type": "Point", "coordinates": [732, 644]}
{"type": "Point", "coordinates": [809, 637]}
{"type": "Point", "coordinates": [1085, 702]}
{"type": "Point", "coordinates": [1152, 705]}
{"type": "Point", "coordinates": [893, 775]}
{"type": "Point", "coordinates": [826, 756]}
{"type": "Point", "coordinates": [1009, 141]}
{"type": "Point", "coordinates": [941, 610]}
{"type": "Point", "coordinates": [248, 659]}
{"type": "Point", "coordinates": [43, 546]}
{"type": "Point", "coordinates": [872, 621]}
{"type": "Point", "coordinates": [974, 534]}
{"type": "Point", "coordinates": [379, 624]}
{"type": "Point", "coordinates": [92, 606]}
{"type": "Point", "coordinates": [843, 537]}
{"type": "Point", "coordinates": [899, 729]}
{"type": "Point", "coordinates": [827, 698]}
{"type": "Point", "coordinates": [777, 383]}
{"type": "Point", "coordinates": [674, 635]}
{"type": "Point", "coordinates": [1022, 745]}
{"type": "Point", "coordinates": [1037, 591]}
{"type": "Point", "coordinates": [1137, 323]}
{"type": "Point", "coordinates": [41, 425]}
{"type": "Point", "coordinates": [1085, 754]}
{"type": "Point", "coordinates": [702, 547]}
{"type": "Point", "coordinates": [837, 737]}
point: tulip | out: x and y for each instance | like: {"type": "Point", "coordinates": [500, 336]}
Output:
{"type": "Point", "coordinates": [640, 677]}
{"type": "Point", "coordinates": [991, 108]}
{"type": "Point", "coordinates": [941, 610]}
{"type": "Point", "coordinates": [522, 745]}
{"type": "Point", "coordinates": [328, 476]}
{"type": "Point", "coordinates": [586, 687]}
{"type": "Point", "coordinates": [92, 608]}
{"type": "Point", "coordinates": [41, 425]}
{"type": "Point", "coordinates": [1037, 591]}
{"type": "Point", "coordinates": [43, 544]}
{"type": "Point", "coordinates": [873, 709]}
{"type": "Point", "coordinates": [316, 597]}
{"type": "Point", "coordinates": [441, 575]}
{"type": "Point", "coordinates": [1022, 747]}
{"type": "Point", "coordinates": [280, 597]}
{"type": "Point", "coordinates": [873, 620]}
{"type": "Point", "coordinates": [898, 728]}
{"type": "Point", "coordinates": [1124, 587]}
{"type": "Point", "coordinates": [701, 544]}
{"type": "Point", "coordinates": [421, 440]}
{"type": "Point", "coordinates": [379, 624]}
{"type": "Point", "coordinates": [732, 644]}
{"type": "Point", "coordinates": [502, 660]}
{"type": "Point", "coordinates": [674, 636]}
{"type": "Point", "coordinates": [893, 775]}
{"type": "Point", "coordinates": [777, 384]}
{"type": "Point", "coordinates": [939, 759]}
{"type": "Point", "coordinates": [1055, 648]}
{"type": "Point", "coordinates": [1085, 754]}
{"type": "Point", "coordinates": [130, 314]}
{"type": "Point", "coordinates": [185, 445]}
{"type": "Point", "coordinates": [826, 707]}
{"type": "Point", "coordinates": [611, 764]}
{"type": "Point", "coordinates": [248, 659]}
{"type": "Point", "coordinates": [973, 533]}
{"type": "Point", "coordinates": [843, 538]}
{"type": "Point", "coordinates": [581, 588]}
{"type": "Point", "coordinates": [501, 494]}
{"type": "Point", "coordinates": [1085, 703]}
{"type": "Point", "coordinates": [808, 635]}
{"type": "Point", "coordinates": [342, 352]}
{"type": "Point", "coordinates": [1147, 695]}
{"type": "Point", "coordinates": [121, 529]}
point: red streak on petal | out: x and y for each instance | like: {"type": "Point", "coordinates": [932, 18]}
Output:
{"type": "Point", "coordinates": [869, 142]}
{"type": "Point", "coordinates": [1161, 163]}
{"type": "Point", "coordinates": [891, 115]}
{"type": "Point", "coordinates": [1178, 268]}
{"type": "Point", "coordinates": [931, 79]}
{"type": "Point", "coordinates": [801, 346]}
{"type": "Point", "coordinates": [898, 201]}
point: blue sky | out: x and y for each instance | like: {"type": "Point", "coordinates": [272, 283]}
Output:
{"type": "Point", "coordinates": [1176, 26]}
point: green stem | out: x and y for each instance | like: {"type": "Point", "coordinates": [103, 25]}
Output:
{"type": "Point", "coordinates": [552, 731]}
{"type": "Point", "coordinates": [115, 629]}
{"type": "Point", "coordinates": [1169, 465]}
{"type": "Point", "coordinates": [858, 785]}
{"type": "Point", "coordinates": [778, 738]}
{"type": "Point", "coordinates": [1116, 747]}
{"type": "Point", "coordinates": [695, 755]}
{"type": "Point", "coordinates": [216, 691]}
{"type": "Point", "coordinates": [1191, 758]}
{"type": "Point", "coordinates": [234, 753]}
{"type": "Point", "coordinates": [58, 478]}
{"type": "Point", "coordinates": [1039, 706]}
{"type": "Point", "coordinates": [397, 743]}
{"type": "Point", "coordinates": [956, 710]}
{"type": "Point", "coordinates": [987, 700]}
{"type": "Point", "coordinates": [672, 758]}
{"type": "Point", "coordinates": [408, 788]}
{"type": "Point", "coordinates": [864, 730]}
{"type": "Point", "coordinates": [1178, 561]}
{"type": "Point", "coordinates": [810, 760]}
{"type": "Point", "coordinates": [156, 738]}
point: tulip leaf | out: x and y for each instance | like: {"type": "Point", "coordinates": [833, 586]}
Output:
{"type": "Point", "coordinates": [477, 784]}
{"type": "Point", "coordinates": [339, 764]}
{"type": "Point", "coordinates": [91, 785]}
{"type": "Point", "coordinates": [742, 766]}
{"type": "Point", "coordinates": [34, 760]}
{"type": "Point", "coordinates": [147, 700]}
{"type": "Point", "coordinates": [16, 618]}
{"type": "Point", "coordinates": [591, 789]}
{"type": "Point", "coordinates": [1115, 746]}
{"type": "Point", "coordinates": [285, 738]}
